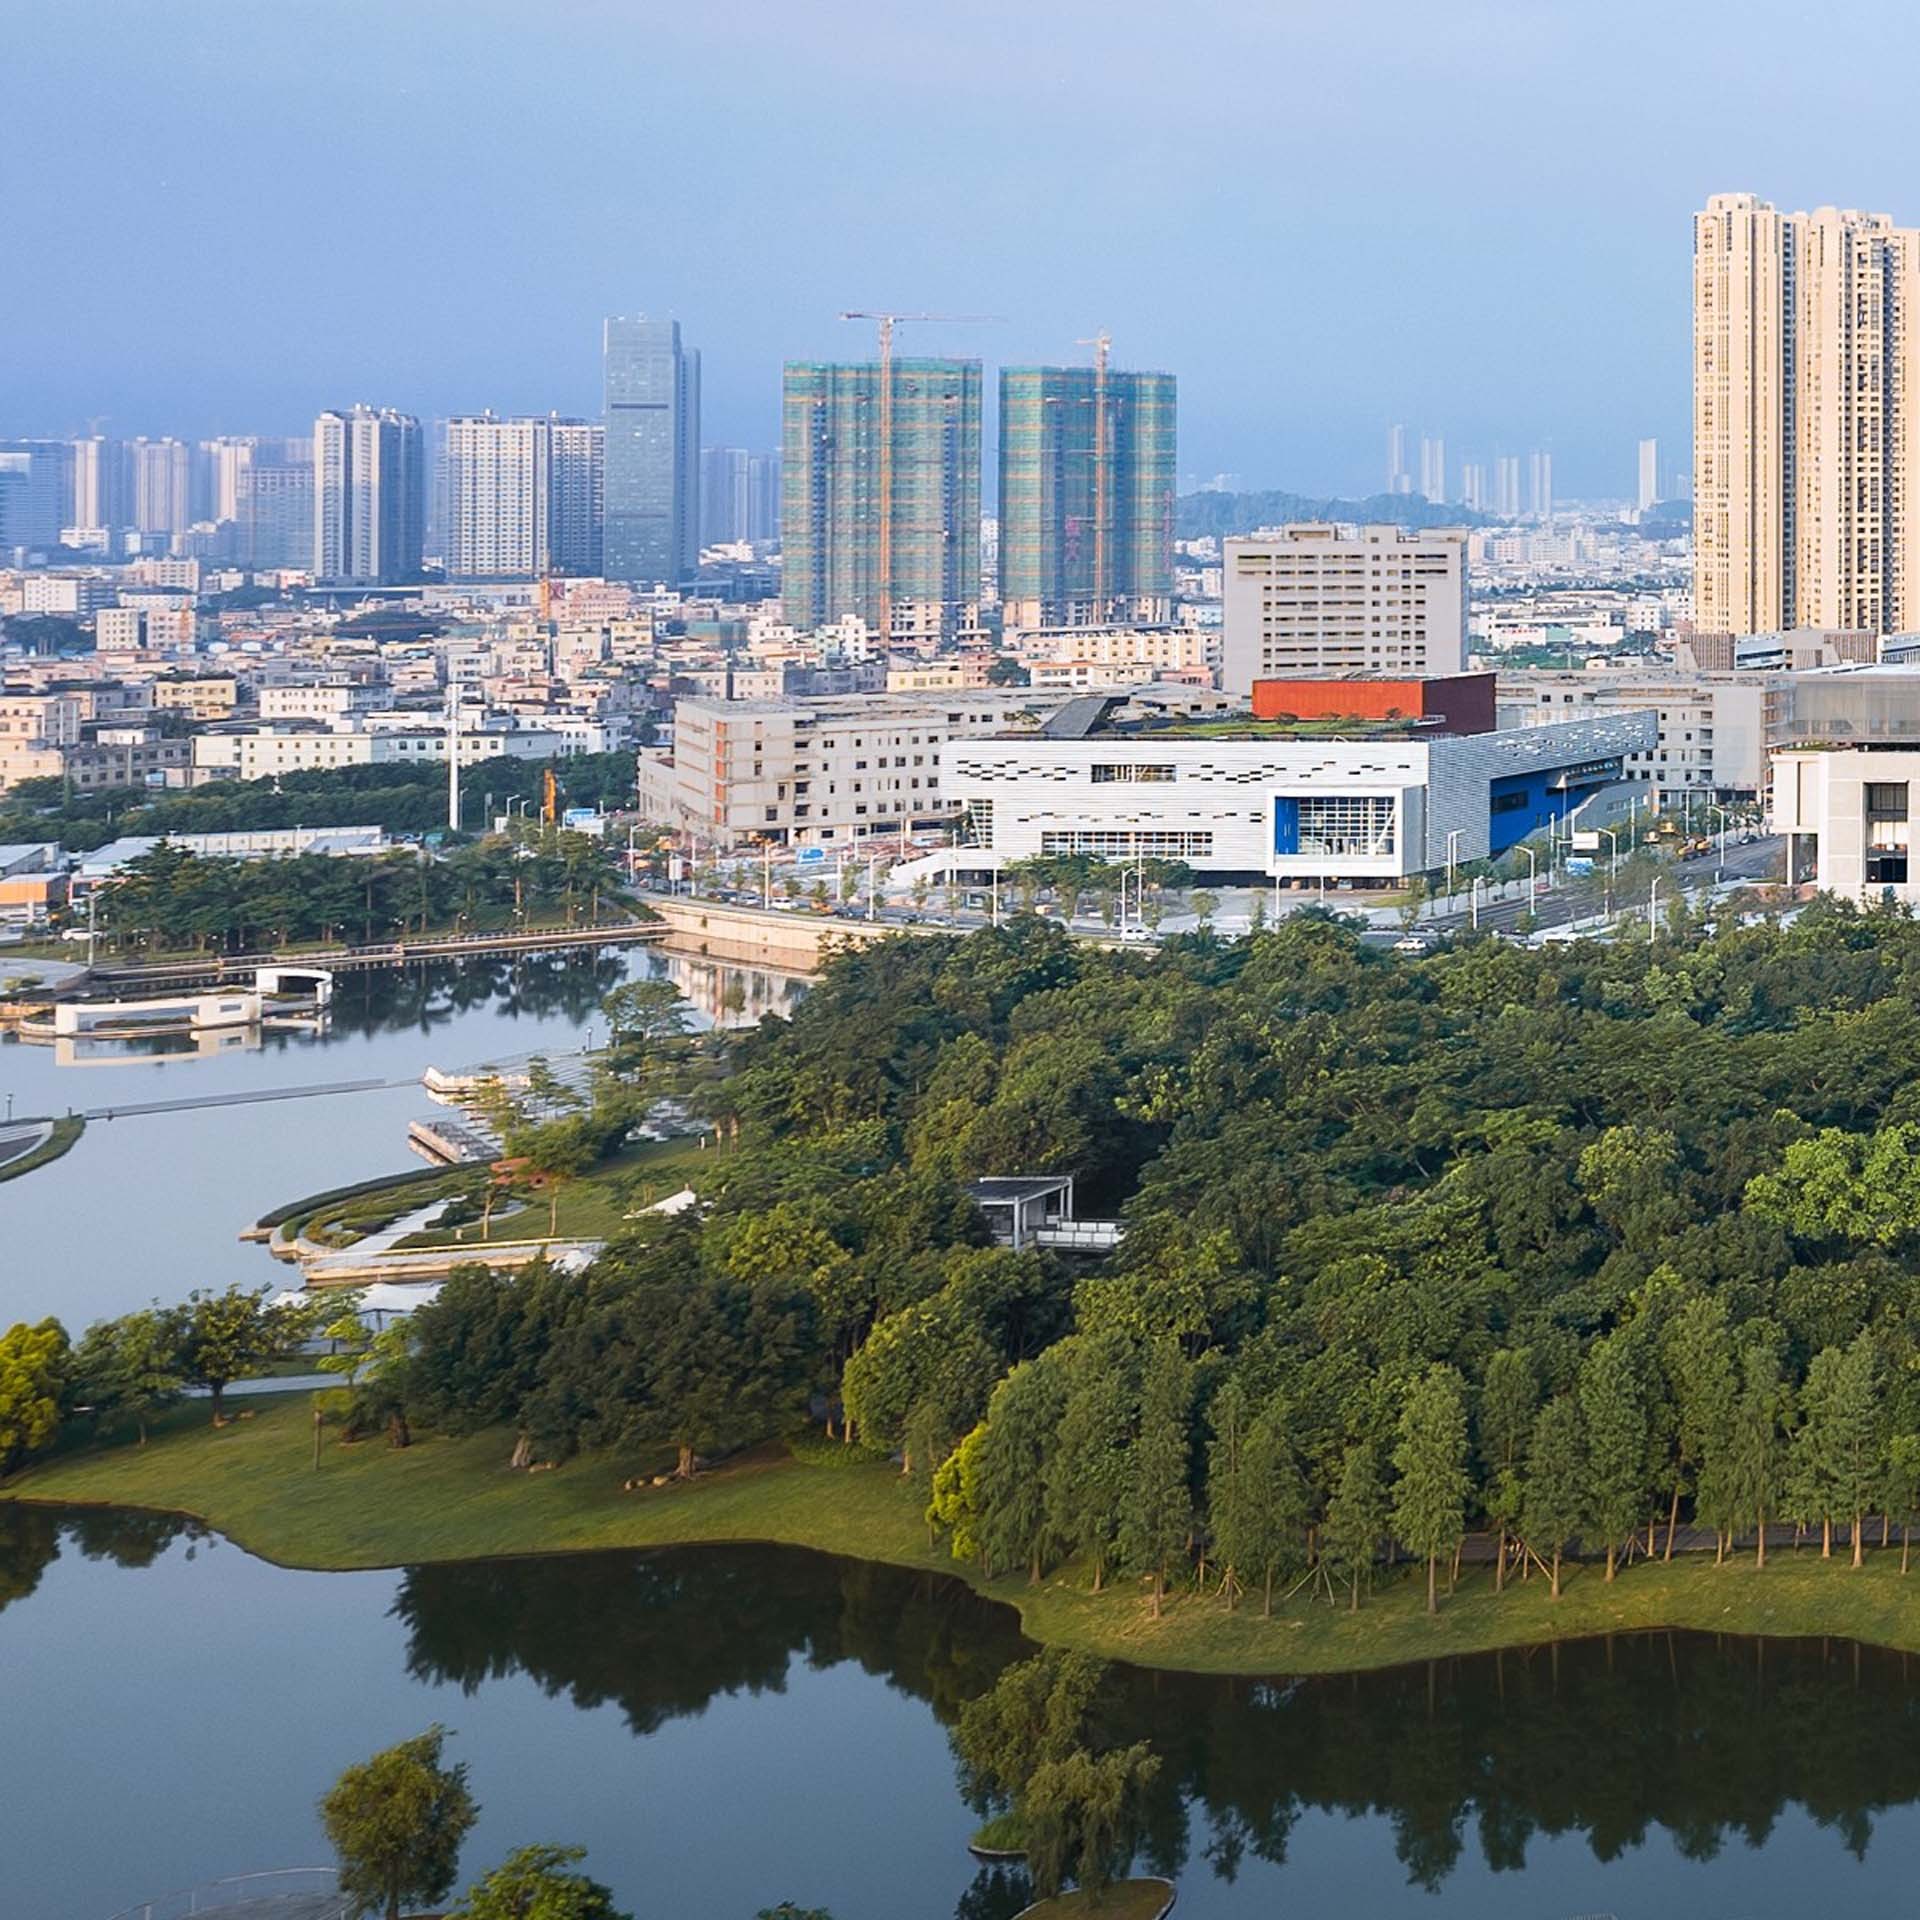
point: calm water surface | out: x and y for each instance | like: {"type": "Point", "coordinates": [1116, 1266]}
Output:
{"type": "Point", "coordinates": [150, 1205]}
{"type": "Point", "coordinates": [727, 1727]}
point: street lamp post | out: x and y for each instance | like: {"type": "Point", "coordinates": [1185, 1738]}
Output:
{"type": "Point", "coordinates": [766, 878]}
{"type": "Point", "coordinates": [1473, 901]}
{"type": "Point", "coordinates": [1453, 842]}
{"type": "Point", "coordinates": [873, 883]}
{"type": "Point", "coordinates": [1613, 863]}
{"type": "Point", "coordinates": [1653, 917]}
{"type": "Point", "coordinates": [1533, 875]}
{"type": "Point", "coordinates": [1720, 865]}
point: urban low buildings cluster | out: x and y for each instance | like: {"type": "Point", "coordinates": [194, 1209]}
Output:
{"type": "Point", "coordinates": [843, 640]}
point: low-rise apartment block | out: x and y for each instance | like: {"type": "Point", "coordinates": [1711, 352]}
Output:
{"type": "Point", "coordinates": [816, 772]}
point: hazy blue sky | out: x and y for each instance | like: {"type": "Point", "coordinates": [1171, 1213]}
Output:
{"type": "Point", "coordinates": [1470, 215]}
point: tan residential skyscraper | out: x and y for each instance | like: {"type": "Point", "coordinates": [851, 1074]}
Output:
{"type": "Point", "coordinates": [1806, 419]}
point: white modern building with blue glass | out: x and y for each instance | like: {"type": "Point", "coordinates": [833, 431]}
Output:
{"type": "Point", "coordinates": [1255, 800]}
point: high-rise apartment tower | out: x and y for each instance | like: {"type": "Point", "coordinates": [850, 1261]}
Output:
{"type": "Point", "coordinates": [1398, 479]}
{"type": "Point", "coordinates": [1806, 419]}
{"type": "Point", "coordinates": [369, 497]}
{"type": "Point", "coordinates": [162, 477]}
{"type": "Point", "coordinates": [1506, 486]}
{"type": "Point", "coordinates": [521, 497]}
{"type": "Point", "coordinates": [1086, 496]}
{"type": "Point", "coordinates": [576, 490]}
{"type": "Point", "coordinates": [834, 473]}
{"type": "Point", "coordinates": [1540, 484]}
{"type": "Point", "coordinates": [102, 489]}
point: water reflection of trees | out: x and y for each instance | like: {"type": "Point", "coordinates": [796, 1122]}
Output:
{"type": "Point", "coordinates": [660, 1635]}
{"type": "Point", "coordinates": [31, 1539]}
{"type": "Point", "coordinates": [424, 996]}
{"type": "Point", "coordinates": [1709, 1739]}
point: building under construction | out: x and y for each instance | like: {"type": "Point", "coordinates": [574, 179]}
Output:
{"type": "Point", "coordinates": [880, 493]}
{"type": "Point", "coordinates": [1086, 495]}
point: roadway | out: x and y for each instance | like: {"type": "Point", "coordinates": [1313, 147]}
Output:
{"type": "Point", "coordinates": [1500, 907]}
{"type": "Point", "coordinates": [1753, 863]}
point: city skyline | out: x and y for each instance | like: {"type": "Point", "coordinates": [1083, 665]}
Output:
{"type": "Point", "coordinates": [1285, 390]}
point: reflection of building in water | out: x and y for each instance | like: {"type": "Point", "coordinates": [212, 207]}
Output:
{"type": "Point", "coordinates": [281, 996]}
{"type": "Point", "coordinates": [111, 1050]}
{"type": "Point", "coordinates": [728, 993]}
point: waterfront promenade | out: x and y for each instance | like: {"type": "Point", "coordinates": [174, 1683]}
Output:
{"type": "Point", "coordinates": [219, 968]}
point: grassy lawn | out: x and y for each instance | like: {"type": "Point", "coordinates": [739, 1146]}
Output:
{"type": "Point", "coordinates": [455, 1499]}
{"type": "Point", "coordinates": [340, 1223]}
{"type": "Point", "coordinates": [66, 1131]}
{"type": "Point", "coordinates": [1124, 1900]}
{"type": "Point", "coordinates": [592, 1208]}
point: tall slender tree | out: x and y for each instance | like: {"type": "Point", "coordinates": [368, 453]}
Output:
{"type": "Point", "coordinates": [1756, 1441]}
{"type": "Point", "coordinates": [1087, 1475]}
{"type": "Point", "coordinates": [1856, 1448]}
{"type": "Point", "coordinates": [1615, 1420]}
{"type": "Point", "coordinates": [1430, 1497]}
{"type": "Point", "coordinates": [1023, 1423]}
{"type": "Point", "coordinates": [1509, 1397]}
{"type": "Point", "coordinates": [1256, 1492]}
{"type": "Point", "coordinates": [1158, 1515]}
{"type": "Point", "coordinates": [1553, 1505]}
{"type": "Point", "coordinates": [1357, 1517]}
{"type": "Point", "coordinates": [1696, 1354]}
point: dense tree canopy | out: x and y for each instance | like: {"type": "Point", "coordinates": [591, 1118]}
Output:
{"type": "Point", "coordinates": [170, 897]}
{"type": "Point", "coordinates": [1573, 1249]}
{"type": "Point", "coordinates": [402, 799]}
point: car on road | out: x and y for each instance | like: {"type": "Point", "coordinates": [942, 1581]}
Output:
{"type": "Point", "coordinates": [1413, 943]}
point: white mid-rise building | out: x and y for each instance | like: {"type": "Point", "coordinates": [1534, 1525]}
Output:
{"type": "Point", "coordinates": [259, 753]}
{"type": "Point", "coordinates": [1320, 601]}
{"type": "Point", "coordinates": [1848, 816]}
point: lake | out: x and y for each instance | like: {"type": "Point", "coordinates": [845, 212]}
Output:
{"type": "Point", "coordinates": [724, 1728]}
{"type": "Point", "coordinates": [151, 1205]}
{"type": "Point", "coordinates": [727, 1728]}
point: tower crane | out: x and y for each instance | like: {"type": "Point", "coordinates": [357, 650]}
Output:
{"type": "Point", "coordinates": [887, 322]}
{"type": "Point", "coordinates": [1102, 345]}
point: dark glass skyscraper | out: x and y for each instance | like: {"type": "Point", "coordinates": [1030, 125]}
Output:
{"type": "Point", "coordinates": [1086, 495]}
{"type": "Point", "coordinates": [915, 558]}
{"type": "Point", "coordinates": [651, 478]}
